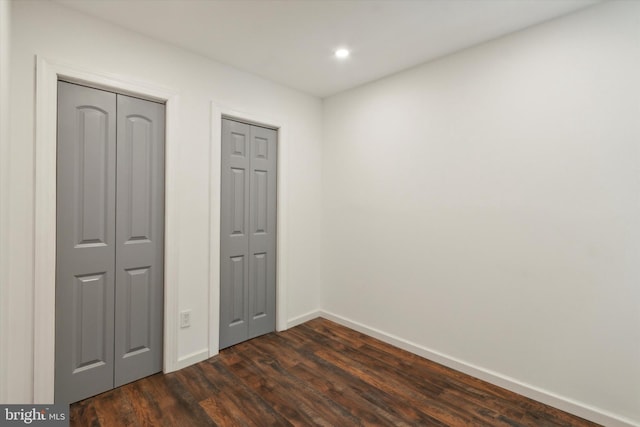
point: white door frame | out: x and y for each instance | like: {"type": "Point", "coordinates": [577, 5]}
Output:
{"type": "Point", "coordinates": [48, 73]}
{"type": "Point", "coordinates": [219, 112]}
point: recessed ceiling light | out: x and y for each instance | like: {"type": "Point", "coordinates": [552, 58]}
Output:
{"type": "Point", "coordinates": [342, 53]}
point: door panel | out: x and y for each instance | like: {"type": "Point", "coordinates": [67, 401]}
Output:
{"type": "Point", "coordinates": [91, 168]}
{"type": "Point", "coordinates": [234, 240]}
{"type": "Point", "coordinates": [90, 292]}
{"type": "Point", "coordinates": [237, 201]}
{"type": "Point", "coordinates": [139, 239]}
{"type": "Point", "coordinates": [238, 291]}
{"type": "Point", "coordinates": [259, 289]}
{"type": "Point", "coordinates": [248, 232]}
{"type": "Point", "coordinates": [262, 242]}
{"type": "Point", "coordinates": [138, 310]}
{"type": "Point", "coordinates": [85, 243]}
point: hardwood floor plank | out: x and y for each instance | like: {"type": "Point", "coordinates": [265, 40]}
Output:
{"type": "Point", "coordinates": [197, 382]}
{"type": "Point", "coordinates": [252, 406]}
{"type": "Point", "coordinates": [84, 414]}
{"type": "Point", "coordinates": [112, 408]}
{"type": "Point", "coordinates": [333, 383]}
{"type": "Point", "coordinates": [379, 375]}
{"type": "Point", "coordinates": [224, 412]}
{"type": "Point", "coordinates": [309, 407]}
{"type": "Point", "coordinates": [316, 374]}
{"type": "Point", "coordinates": [145, 409]}
{"type": "Point", "coordinates": [183, 401]}
{"type": "Point", "coordinates": [392, 404]}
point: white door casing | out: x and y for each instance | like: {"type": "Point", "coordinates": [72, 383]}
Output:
{"type": "Point", "coordinates": [218, 112]}
{"type": "Point", "coordinates": [48, 73]}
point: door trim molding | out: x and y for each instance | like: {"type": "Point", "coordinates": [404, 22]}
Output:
{"type": "Point", "coordinates": [218, 112]}
{"type": "Point", "coordinates": [47, 74]}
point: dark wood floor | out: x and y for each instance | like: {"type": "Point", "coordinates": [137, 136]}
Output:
{"type": "Point", "coordinates": [318, 373]}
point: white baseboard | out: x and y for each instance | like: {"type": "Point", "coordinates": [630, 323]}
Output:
{"type": "Point", "coordinates": [193, 358]}
{"type": "Point", "coordinates": [568, 405]}
{"type": "Point", "coordinates": [303, 318]}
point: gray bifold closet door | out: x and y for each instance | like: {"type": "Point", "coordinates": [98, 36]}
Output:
{"type": "Point", "coordinates": [110, 241]}
{"type": "Point", "coordinates": [248, 232]}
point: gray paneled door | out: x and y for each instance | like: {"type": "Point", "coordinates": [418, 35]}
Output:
{"type": "Point", "coordinates": [110, 241]}
{"type": "Point", "coordinates": [248, 232]}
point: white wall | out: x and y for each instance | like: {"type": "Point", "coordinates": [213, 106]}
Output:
{"type": "Point", "coordinates": [486, 206]}
{"type": "Point", "coordinates": [57, 33]}
{"type": "Point", "coordinates": [5, 45]}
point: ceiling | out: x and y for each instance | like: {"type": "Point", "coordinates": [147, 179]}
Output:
{"type": "Point", "coordinates": [292, 41]}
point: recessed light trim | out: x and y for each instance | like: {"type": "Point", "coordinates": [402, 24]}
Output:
{"type": "Point", "coordinates": [342, 53]}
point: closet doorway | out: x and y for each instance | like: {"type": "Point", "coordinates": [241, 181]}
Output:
{"type": "Point", "coordinates": [110, 241]}
{"type": "Point", "coordinates": [248, 232]}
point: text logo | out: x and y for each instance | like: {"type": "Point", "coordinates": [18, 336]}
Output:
{"type": "Point", "coordinates": [36, 415]}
